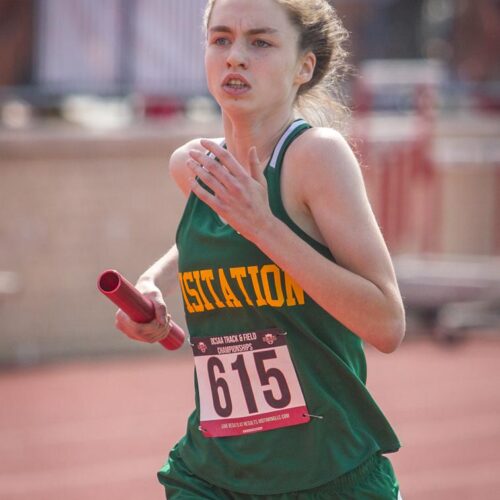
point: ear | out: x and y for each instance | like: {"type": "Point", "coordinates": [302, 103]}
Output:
{"type": "Point", "coordinates": [306, 65]}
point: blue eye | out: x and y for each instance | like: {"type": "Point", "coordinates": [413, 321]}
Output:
{"type": "Point", "coordinates": [221, 41]}
{"type": "Point", "coordinates": [261, 43]}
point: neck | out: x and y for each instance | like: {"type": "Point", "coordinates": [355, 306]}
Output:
{"type": "Point", "coordinates": [242, 133]}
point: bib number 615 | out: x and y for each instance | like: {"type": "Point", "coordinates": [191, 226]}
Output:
{"type": "Point", "coordinates": [221, 393]}
{"type": "Point", "coordinates": [247, 383]}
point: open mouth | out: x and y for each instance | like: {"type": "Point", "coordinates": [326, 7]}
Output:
{"type": "Point", "coordinates": [236, 84]}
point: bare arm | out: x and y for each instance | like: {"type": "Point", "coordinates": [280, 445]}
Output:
{"type": "Point", "coordinates": [160, 279]}
{"type": "Point", "coordinates": [360, 288]}
{"type": "Point", "coordinates": [162, 274]}
{"type": "Point", "coordinates": [179, 170]}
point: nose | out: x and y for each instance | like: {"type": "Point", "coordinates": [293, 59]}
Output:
{"type": "Point", "coordinates": [237, 57]}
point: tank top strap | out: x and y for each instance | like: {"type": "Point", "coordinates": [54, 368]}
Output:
{"type": "Point", "coordinates": [273, 176]}
{"type": "Point", "coordinates": [273, 169]}
{"type": "Point", "coordinates": [295, 129]}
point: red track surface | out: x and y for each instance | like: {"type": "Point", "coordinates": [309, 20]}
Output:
{"type": "Point", "coordinates": [100, 430]}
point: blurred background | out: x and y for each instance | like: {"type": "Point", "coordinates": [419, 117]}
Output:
{"type": "Point", "coordinates": [94, 97]}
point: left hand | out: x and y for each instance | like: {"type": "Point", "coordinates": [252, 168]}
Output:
{"type": "Point", "coordinates": [239, 196]}
{"type": "Point", "coordinates": [154, 331]}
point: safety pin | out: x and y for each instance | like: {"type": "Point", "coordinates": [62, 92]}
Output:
{"type": "Point", "coordinates": [313, 416]}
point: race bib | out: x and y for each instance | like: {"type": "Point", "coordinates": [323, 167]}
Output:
{"type": "Point", "coordinates": [247, 383]}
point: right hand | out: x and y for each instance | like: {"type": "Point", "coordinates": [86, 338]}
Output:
{"type": "Point", "coordinates": [152, 332]}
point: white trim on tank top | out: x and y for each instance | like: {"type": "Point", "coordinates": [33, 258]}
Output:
{"type": "Point", "coordinates": [281, 142]}
{"type": "Point", "coordinates": [277, 149]}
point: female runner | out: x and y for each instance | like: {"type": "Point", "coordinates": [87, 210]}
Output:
{"type": "Point", "coordinates": [283, 271]}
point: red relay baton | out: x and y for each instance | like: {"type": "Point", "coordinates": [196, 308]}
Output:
{"type": "Point", "coordinates": [138, 307]}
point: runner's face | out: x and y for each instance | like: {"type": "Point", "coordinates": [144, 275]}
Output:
{"type": "Point", "coordinates": [252, 60]}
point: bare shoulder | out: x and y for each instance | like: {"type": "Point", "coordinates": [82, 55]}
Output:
{"type": "Point", "coordinates": [322, 157]}
{"type": "Point", "coordinates": [323, 148]}
{"type": "Point", "coordinates": [178, 168]}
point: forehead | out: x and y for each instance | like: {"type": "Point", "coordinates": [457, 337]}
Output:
{"type": "Point", "coordinates": [251, 14]}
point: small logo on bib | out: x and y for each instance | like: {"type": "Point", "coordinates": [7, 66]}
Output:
{"type": "Point", "coordinates": [202, 347]}
{"type": "Point", "coordinates": [269, 338]}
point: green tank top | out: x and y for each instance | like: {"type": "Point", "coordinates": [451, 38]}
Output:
{"type": "Point", "coordinates": [232, 290]}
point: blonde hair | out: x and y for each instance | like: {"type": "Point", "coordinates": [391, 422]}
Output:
{"type": "Point", "coordinates": [321, 31]}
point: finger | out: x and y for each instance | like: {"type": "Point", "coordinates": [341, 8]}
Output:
{"type": "Point", "coordinates": [210, 166]}
{"type": "Point", "coordinates": [160, 313]}
{"type": "Point", "coordinates": [213, 167]}
{"type": "Point", "coordinates": [160, 333]}
{"type": "Point", "coordinates": [149, 332]}
{"type": "Point", "coordinates": [256, 170]}
{"type": "Point", "coordinates": [123, 322]}
{"type": "Point", "coordinates": [119, 315]}
{"type": "Point", "coordinates": [152, 332]}
{"type": "Point", "coordinates": [205, 195]}
{"type": "Point", "coordinates": [231, 185]}
{"type": "Point", "coordinates": [225, 157]}
{"type": "Point", "coordinates": [127, 326]}
{"type": "Point", "coordinates": [208, 181]}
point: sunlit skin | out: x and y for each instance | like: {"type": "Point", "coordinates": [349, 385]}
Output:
{"type": "Point", "coordinates": [254, 70]}
{"type": "Point", "coordinates": [256, 42]}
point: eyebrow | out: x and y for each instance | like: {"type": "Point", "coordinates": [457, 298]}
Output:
{"type": "Point", "coordinates": [253, 31]}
